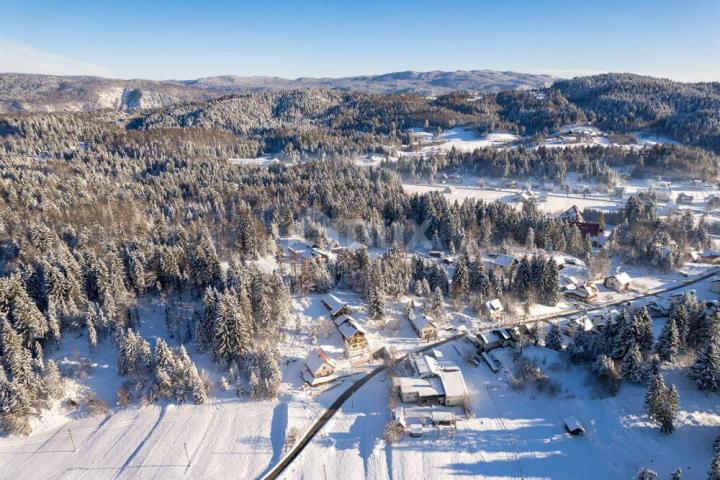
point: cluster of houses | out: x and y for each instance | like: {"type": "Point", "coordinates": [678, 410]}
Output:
{"type": "Point", "coordinates": [588, 293]}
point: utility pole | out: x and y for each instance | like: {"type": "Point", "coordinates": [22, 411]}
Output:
{"type": "Point", "coordinates": [71, 440]}
{"type": "Point", "coordinates": [186, 454]}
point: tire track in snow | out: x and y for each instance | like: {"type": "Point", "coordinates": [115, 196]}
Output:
{"type": "Point", "coordinates": [140, 446]}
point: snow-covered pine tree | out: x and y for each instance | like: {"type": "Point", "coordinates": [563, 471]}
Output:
{"type": "Point", "coordinates": [624, 339]}
{"type": "Point", "coordinates": [553, 339]}
{"type": "Point", "coordinates": [522, 279]}
{"type": "Point", "coordinates": [436, 303]}
{"type": "Point", "coordinates": [90, 319]}
{"type": "Point", "coordinates": [655, 395]}
{"type": "Point", "coordinates": [549, 283]}
{"type": "Point", "coordinates": [376, 302]}
{"type": "Point", "coordinates": [460, 285]}
{"type": "Point", "coordinates": [641, 330]}
{"type": "Point", "coordinates": [681, 317]}
{"type": "Point", "coordinates": [632, 367]}
{"type": "Point", "coordinates": [668, 345]}
{"type": "Point", "coordinates": [53, 322]}
{"type": "Point", "coordinates": [52, 380]}
{"type": "Point", "coordinates": [669, 411]}
{"type": "Point", "coordinates": [705, 372]}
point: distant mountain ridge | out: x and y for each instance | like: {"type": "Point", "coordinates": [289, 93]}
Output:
{"type": "Point", "coordinates": [33, 93]}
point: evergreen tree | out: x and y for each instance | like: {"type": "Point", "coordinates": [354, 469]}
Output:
{"type": "Point", "coordinates": [668, 345]}
{"type": "Point", "coordinates": [460, 285]}
{"type": "Point", "coordinates": [705, 372]}
{"type": "Point", "coordinates": [90, 319]}
{"type": "Point", "coordinates": [549, 283]}
{"type": "Point", "coordinates": [530, 239]}
{"type": "Point", "coordinates": [376, 302]}
{"type": "Point", "coordinates": [553, 339]}
{"type": "Point", "coordinates": [436, 303]}
{"type": "Point", "coordinates": [632, 365]}
{"type": "Point", "coordinates": [655, 396]}
{"type": "Point", "coordinates": [641, 330]}
{"type": "Point", "coordinates": [669, 411]}
{"type": "Point", "coordinates": [522, 280]}
{"type": "Point", "coordinates": [52, 380]}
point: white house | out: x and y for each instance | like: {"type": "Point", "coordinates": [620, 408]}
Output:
{"type": "Point", "coordinates": [494, 308]}
{"type": "Point", "coordinates": [619, 282]}
{"type": "Point", "coordinates": [502, 261]}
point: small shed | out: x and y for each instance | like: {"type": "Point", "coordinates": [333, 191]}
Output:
{"type": "Point", "coordinates": [573, 426]}
{"type": "Point", "coordinates": [443, 418]}
{"type": "Point", "coordinates": [619, 282]}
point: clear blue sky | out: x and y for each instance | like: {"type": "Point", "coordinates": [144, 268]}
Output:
{"type": "Point", "coordinates": [178, 39]}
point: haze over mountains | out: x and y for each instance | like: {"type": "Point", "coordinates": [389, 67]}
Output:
{"type": "Point", "coordinates": [29, 92]}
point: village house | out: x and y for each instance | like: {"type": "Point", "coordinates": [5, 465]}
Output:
{"type": "Point", "coordinates": [353, 334]}
{"type": "Point", "coordinates": [502, 261]}
{"type": "Point", "coordinates": [425, 327]}
{"type": "Point", "coordinates": [574, 216]}
{"type": "Point", "coordinates": [619, 282]}
{"type": "Point", "coordinates": [494, 309]}
{"type": "Point", "coordinates": [318, 364]}
{"type": "Point", "coordinates": [335, 306]}
{"type": "Point", "coordinates": [437, 382]}
{"type": "Point", "coordinates": [587, 293]}
{"type": "Point", "coordinates": [580, 324]}
{"type": "Point", "coordinates": [498, 338]}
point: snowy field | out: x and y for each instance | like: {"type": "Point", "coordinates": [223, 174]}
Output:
{"type": "Point", "coordinates": [556, 203]}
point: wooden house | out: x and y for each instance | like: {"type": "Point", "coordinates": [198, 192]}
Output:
{"type": "Point", "coordinates": [335, 307]}
{"type": "Point", "coordinates": [353, 334]}
{"type": "Point", "coordinates": [587, 293]}
{"type": "Point", "coordinates": [619, 282]}
{"type": "Point", "coordinates": [318, 364]}
{"type": "Point", "coordinates": [425, 327]}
